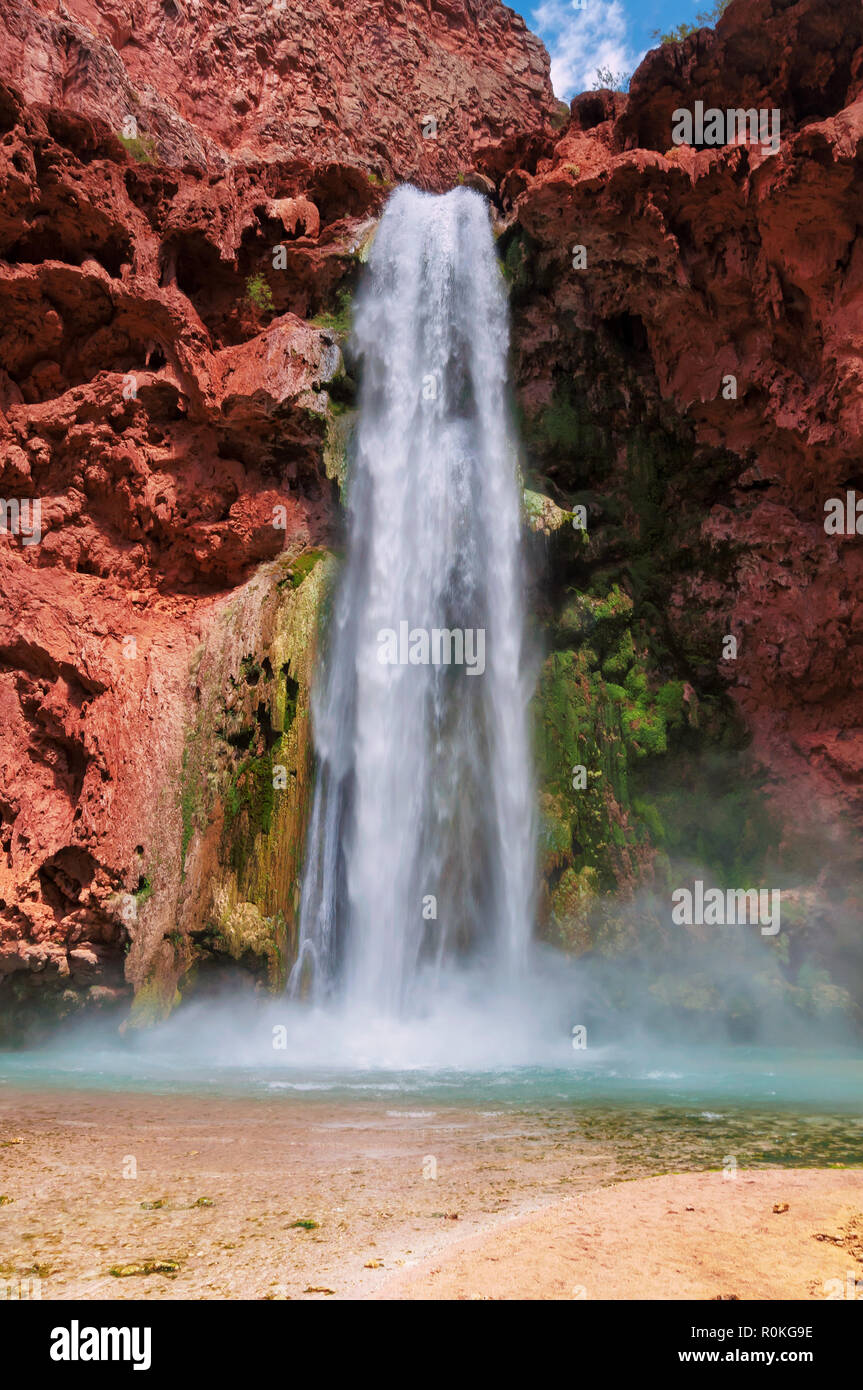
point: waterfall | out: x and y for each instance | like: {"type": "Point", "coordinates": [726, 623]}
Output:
{"type": "Point", "coordinates": [421, 841]}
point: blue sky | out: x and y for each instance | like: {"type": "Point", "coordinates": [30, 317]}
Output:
{"type": "Point", "coordinates": [604, 33]}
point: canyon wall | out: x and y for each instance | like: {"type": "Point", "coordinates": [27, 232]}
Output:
{"type": "Point", "coordinates": [189, 190]}
{"type": "Point", "coordinates": [693, 378]}
{"type": "Point", "coordinates": [357, 82]}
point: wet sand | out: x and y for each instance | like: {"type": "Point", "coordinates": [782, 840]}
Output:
{"type": "Point", "coordinates": [384, 1184]}
{"type": "Point", "coordinates": [449, 1202]}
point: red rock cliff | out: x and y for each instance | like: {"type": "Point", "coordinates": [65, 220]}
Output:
{"type": "Point", "coordinates": [163, 388]}
{"type": "Point", "coordinates": [352, 81]}
{"type": "Point", "coordinates": [152, 157]}
{"type": "Point", "coordinates": [705, 264]}
{"type": "Point", "coordinates": [705, 357]}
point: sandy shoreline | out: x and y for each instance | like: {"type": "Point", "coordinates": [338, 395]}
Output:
{"type": "Point", "coordinates": [766, 1234]}
{"type": "Point", "coordinates": [275, 1198]}
{"type": "Point", "coordinates": [359, 1171]}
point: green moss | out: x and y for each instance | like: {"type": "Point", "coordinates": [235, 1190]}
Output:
{"type": "Point", "coordinates": [340, 427]}
{"type": "Point", "coordinates": [631, 690]}
{"type": "Point", "coordinates": [571, 905]}
{"type": "Point", "coordinates": [242, 930]}
{"type": "Point", "coordinates": [642, 717]}
{"type": "Point", "coordinates": [555, 833]}
{"type": "Point", "coordinates": [670, 699]}
{"type": "Point", "coordinates": [246, 776]}
{"type": "Point", "coordinates": [579, 725]}
{"type": "Point", "coordinates": [191, 793]}
{"type": "Point", "coordinates": [302, 567]}
{"type": "Point", "coordinates": [258, 292]}
{"type": "Point", "coordinates": [599, 618]}
{"type": "Point", "coordinates": [141, 147]}
{"type": "Point", "coordinates": [543, 515]}
{"type": "Point", "coordinates": [709, 806]}
{"type": "Point", "coordinates": [566, 429]}
{"type": "Point", "coordinates": [155, 1000]}
{"type": "Point", "coordinates": [621, 658]}
{"type": "Point", "coordinates": [648, 816]}
{"type": "Point", "coordinates": [337, 319]}
{"type": "Point", "coordinates": [602, 705]}
{"type": "Point", "coordinates": [250, 794]}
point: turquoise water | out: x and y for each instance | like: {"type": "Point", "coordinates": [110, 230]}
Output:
{"type": "Point", "coordinates": [659, 1110]}
{"type": "Point", "coordinates": [773, 1078]}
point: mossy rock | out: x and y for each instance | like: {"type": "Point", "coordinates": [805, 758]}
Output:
{"type": "Point", "coordinates": [155, 999]}
{"type": "Point", "coordinates": [340, 428]}
{"type": "Point", "coordinates": [543, 515]}
{"type": "Point", "coordinates": [247, 771]}
{"type": "Point", "coordinates": [244, 930]}
{"type": "Point", "coordinates": [337, 319]}
{"type": "Point", "coordinates": [571, 905]}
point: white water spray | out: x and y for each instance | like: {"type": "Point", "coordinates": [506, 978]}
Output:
{"type": "Point", "coordinates": [421, 844]}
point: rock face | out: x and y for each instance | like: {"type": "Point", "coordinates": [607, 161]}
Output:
{"type": "Point", "coordinates": [403, 88]}
{"type": "Point", "coordinates": [188, 192]}
{"type": "Point", "coordinates": [730, 269]}
{"type": "Point", "coordinates": [693, 377]}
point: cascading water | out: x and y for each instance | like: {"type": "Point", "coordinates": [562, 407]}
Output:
{"type": "Point", "coordinates": [421, 840]}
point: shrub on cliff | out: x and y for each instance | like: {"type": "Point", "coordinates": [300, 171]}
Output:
{"type": "Point", "coordinates": [259, 294]}
{"type": "Point", "coordinates": [704, 20]}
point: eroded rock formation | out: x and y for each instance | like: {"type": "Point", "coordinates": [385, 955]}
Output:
{"type": "Point", "coordinates": [188, 191]}
{"type": "Point", "coordinates": [401, 88]}
{"type": "Point", "coordinates": [697, 387]}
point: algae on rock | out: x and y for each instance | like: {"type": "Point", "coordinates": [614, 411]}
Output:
{"type": "Point", "coordinates": [247, 771]}
{"type": "Point", "coordinates": [544, 515]}
{"type": "Point", "coordinates": [340, 427]}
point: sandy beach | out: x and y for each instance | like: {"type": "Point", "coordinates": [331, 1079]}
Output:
{"type": "Point", "coordinates": [774, 1234]}
{"type": "Point", "coordinates": [381, 1185]}
{"type": "Point", "coordinates": [221, 1198]}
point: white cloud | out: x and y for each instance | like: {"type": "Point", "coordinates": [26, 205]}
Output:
{"type": "Point", "coordinates": [581, 40]}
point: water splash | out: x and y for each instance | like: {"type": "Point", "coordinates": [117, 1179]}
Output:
{"type": "Point", "coordinates": [421, 845]}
